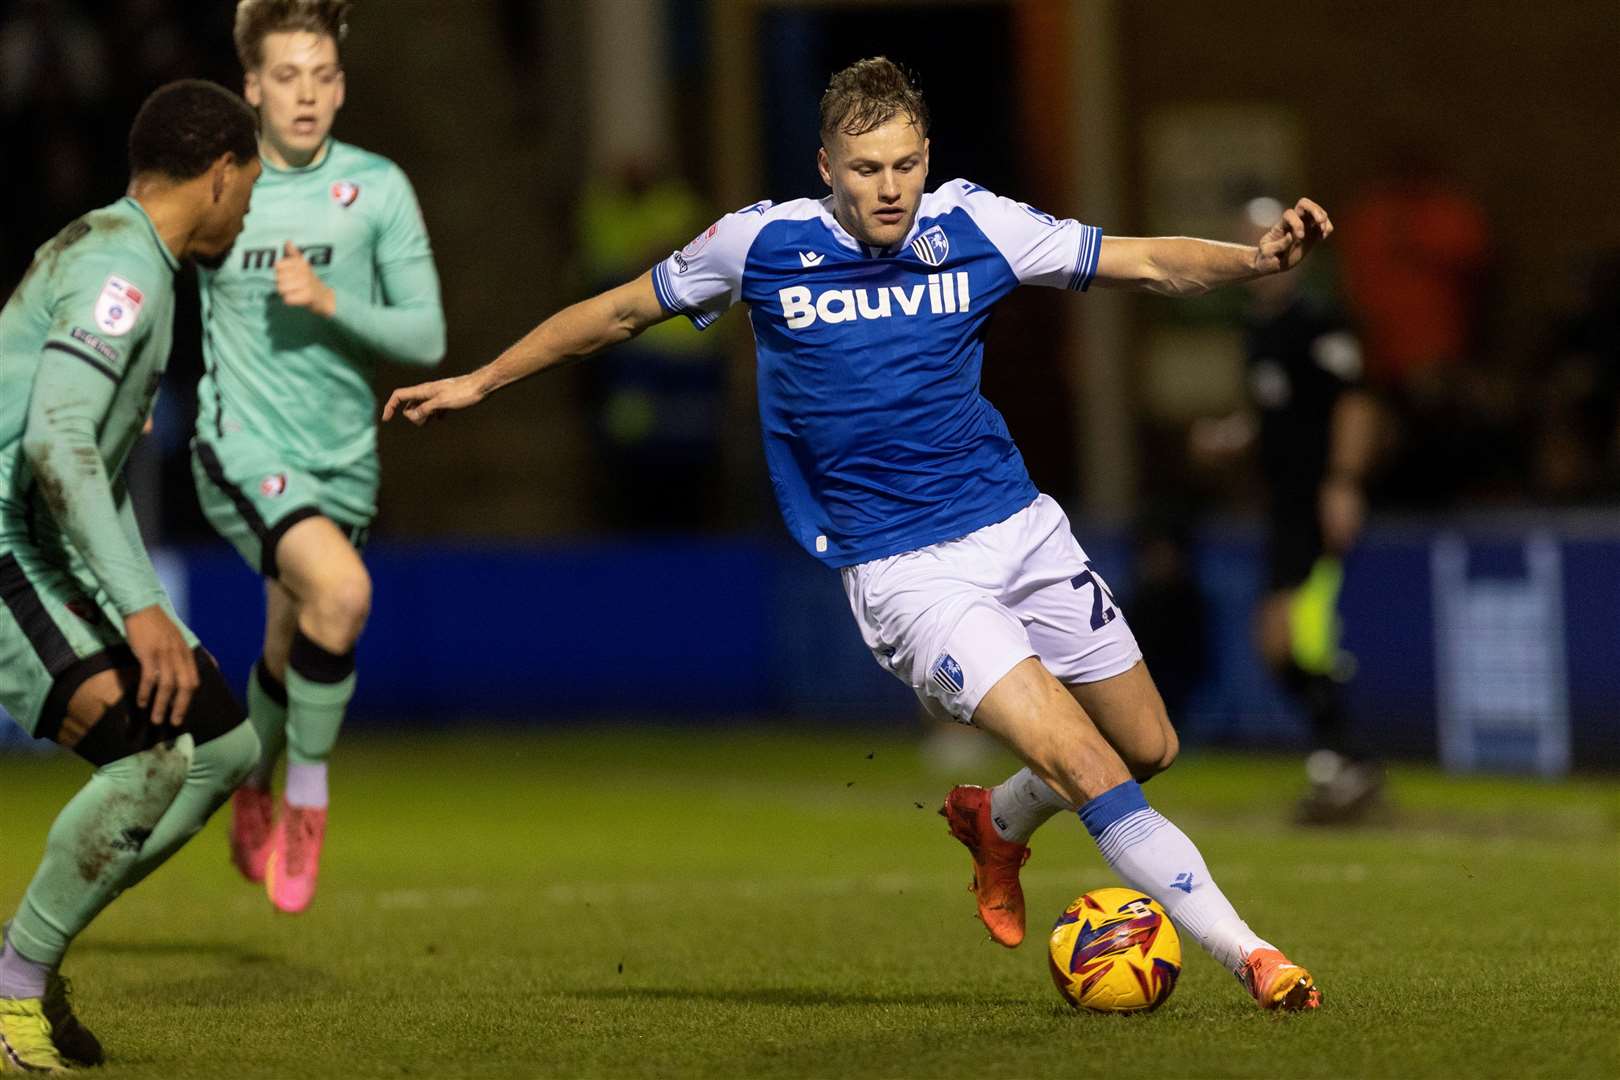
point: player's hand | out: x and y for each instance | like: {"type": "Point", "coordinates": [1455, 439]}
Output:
{"type": "Point", "coordinates": [300, 286]}
{"type": "Point", "coordinates": [168, 668]}
{"type": "Point", "coordinates": [1342, 507]}
{"type": "Point", "coordinates": [424, 401]}
{"type": "Point", "coordinates": [1292, 238]}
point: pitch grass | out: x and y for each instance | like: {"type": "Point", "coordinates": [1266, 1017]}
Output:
{"type": "Point", "coordinates": [631, 903]}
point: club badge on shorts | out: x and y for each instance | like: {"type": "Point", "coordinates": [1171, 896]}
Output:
{"type": "Point", "coordinates": [947, 674]}
{"type": "Point", "coordinates": [344, 192]}
{"type": "Point", "coordinates": [273, 485]}
{"type": "Point", "coordinates": [117, 306]}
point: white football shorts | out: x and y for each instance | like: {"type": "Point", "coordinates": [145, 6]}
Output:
{"type": "Point", "coordinates": [951, 619]}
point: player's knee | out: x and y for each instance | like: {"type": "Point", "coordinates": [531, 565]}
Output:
{"type": "Point", "coordinates": [342, 606]}
{"type": "Point", "coordinates": [154, 777]}
{"type": "Point", "coordinates": [1168, 751]}
{"type": "Point", "coordinates": [1156, 748]}
{"type": "Point", "coordinates": [164, 769]}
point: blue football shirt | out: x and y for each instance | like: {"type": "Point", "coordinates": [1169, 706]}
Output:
{"type": "Point", "coordinates": [877, 438]}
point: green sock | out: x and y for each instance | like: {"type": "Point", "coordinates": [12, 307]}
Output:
{"type": "Point", "coordinates": [93, 845]}
{"type": "Point", "coordinates": [218, 767]}
{"type": "Point", "coordinates": [267, 709]}
{"type": "Point", "coordinates": [314, 715]}
{"type": "Point", "coordinates": [319, 686]}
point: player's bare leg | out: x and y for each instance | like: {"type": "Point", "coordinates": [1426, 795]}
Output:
{"type": "Point", "coordinates": [1130, 715]}
{"type": "Point", "coordinates": [253, 806]}
{"type": "Point", "coordinates": [323, 572]}
{"type": "Point", "coordinates": [1044, 723]}
{"type": "Point", "coordinates": [996, 823]}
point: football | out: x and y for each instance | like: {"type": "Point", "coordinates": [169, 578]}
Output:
{"type": "Point", "coordinates": [1115, 950]}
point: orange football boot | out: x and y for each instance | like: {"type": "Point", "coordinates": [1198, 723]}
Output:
{"type": "Point", "coordinates": [996, 863]}
{"type": "Point", "coordinates": [1276, 983]}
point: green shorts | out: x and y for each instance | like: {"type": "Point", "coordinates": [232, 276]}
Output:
{"type": "Point", "coordinates": [251, 495]}
{"type": "Point", "coordinates": [58, 627]}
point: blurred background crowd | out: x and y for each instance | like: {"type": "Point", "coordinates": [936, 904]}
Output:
{"type": "Point", "coordinates": [1476, 258]}
{"type": "Point", "coordinates": [1465, 151]}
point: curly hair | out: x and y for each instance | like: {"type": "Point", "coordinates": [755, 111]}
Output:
{"type": "Point", "coordinates": [868, 94]}
{"type": "Point", "coordinates": [257, 18]}
{"type": "Point", "coordinates": [184, 127]}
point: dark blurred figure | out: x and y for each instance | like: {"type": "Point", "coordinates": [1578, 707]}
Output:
{"type": "Point", "coordinates": [1577, 443]}
{"type": "Point", "coordinates": [523, 32]}
{"type": "Point", "coordinates": [1315, 429]}
{"type": "Point", "coordinates": [1169, 612]}
{"type": "Point", "coordinates": [658, 399]}
{"type": "Point", "coordinates": [1415, 251]}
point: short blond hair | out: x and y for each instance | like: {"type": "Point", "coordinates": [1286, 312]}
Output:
{"type": "Point", "coordinates": [868, 94]}
{"type": "Point", "coordinates": [255, 19]}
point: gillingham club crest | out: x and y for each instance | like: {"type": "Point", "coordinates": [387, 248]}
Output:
{"type": "Point", "coordinates": [117, 306]}
{"type": "Point", "coordinates": [932, 247]}
{"type": "Point", "coordinates": [344, 192]}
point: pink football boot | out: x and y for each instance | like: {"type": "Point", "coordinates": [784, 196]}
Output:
{"type": "Point", "coordinates": [252, 831]}
{"type": "Point", "coordinates": [295, 858]}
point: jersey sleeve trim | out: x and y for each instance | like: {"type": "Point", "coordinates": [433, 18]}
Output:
{"type": "Point", "coordinates": [1085, 266]}
{"type": "Point", "coordinates": [666, 299]}
{"type": "Point", "coordinates": [87, 358]}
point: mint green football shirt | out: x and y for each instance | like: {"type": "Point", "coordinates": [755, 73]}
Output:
{"type": "Point", "coordinates": [84, 340]}
{"type": "Point", "coordinates": [296, 380]}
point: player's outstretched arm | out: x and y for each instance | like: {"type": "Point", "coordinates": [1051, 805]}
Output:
{"type": "Point", "coordinates": [574, 332]}
{"type": "Point", "coordinates": [1183, 266]}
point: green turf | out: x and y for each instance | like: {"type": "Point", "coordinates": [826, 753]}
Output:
{"type": "Point", "coordinates": [651, 903]}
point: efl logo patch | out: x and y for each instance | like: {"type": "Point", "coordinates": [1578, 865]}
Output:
{"type": "Point", "coordinates": [932, 247]}
{"type": "Point", "coordinates": [700, 242]}
{"type": "Point", "coordinates": [344, 192]}
{"type": "Point", "coordinates": [117, 306]}
{"type": "Point", "coordinates": [947, 674]}
{"type": "Point", "coordinates": [273, 485]}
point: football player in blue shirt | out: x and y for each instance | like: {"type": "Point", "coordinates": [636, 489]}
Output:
{"type": "Point", "coordinates": [869, 309]}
